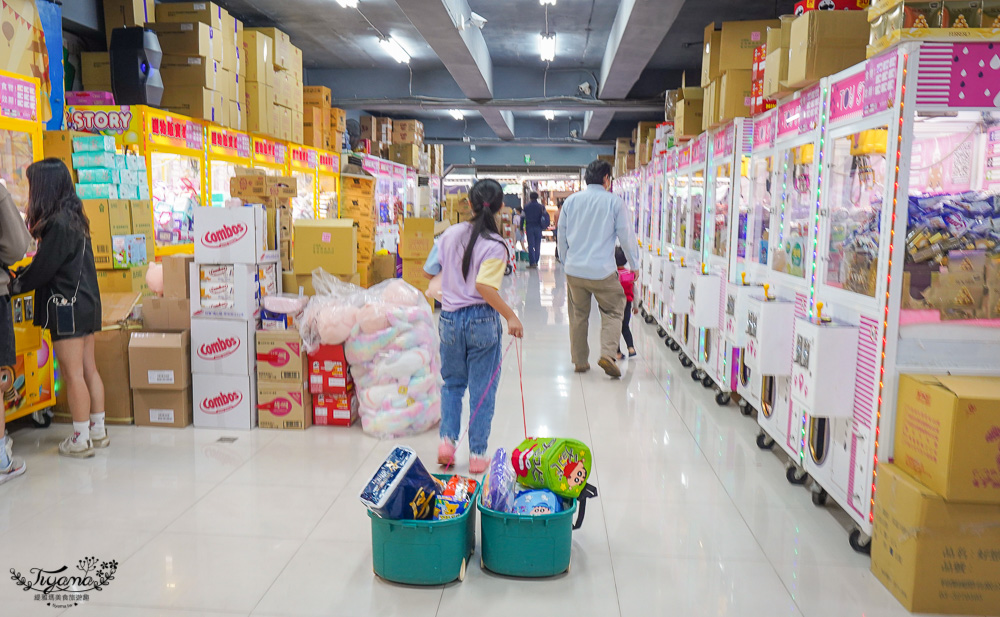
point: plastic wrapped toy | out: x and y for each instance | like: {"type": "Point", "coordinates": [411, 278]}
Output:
{"type": "Point", "coordinates": [455, 498]}
{"type": "Point", "coordinates": [401, 489]}
{"type": "Point", "coordinates": [498, 485]}
{"type": "Point", "coordinates": [154, 278]}
{"type": "Point", "coordinates": [560, 465]}
{"type": "Point", "coordinates": [537, 502]}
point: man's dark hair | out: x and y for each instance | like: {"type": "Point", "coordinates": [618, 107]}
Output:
{"type": "Point", "coordinates": [597, 172]}
{"type": "Point", "coordinates": [533, 196]}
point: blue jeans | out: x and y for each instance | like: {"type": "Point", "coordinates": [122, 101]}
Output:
{"type": "Point", "coordinates": [534, 244]}
{"type": "Point", "coordinates": [470, 352]}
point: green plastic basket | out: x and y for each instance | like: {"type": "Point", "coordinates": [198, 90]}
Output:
{"type": "Point", "coordinates": [530, 546]}
{"type": "Point", "coordinates": [424, 552]}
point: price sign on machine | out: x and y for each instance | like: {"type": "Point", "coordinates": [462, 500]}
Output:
{"type": "Point", "coordinates": [164, 129]}
{"type": "Point", "coordinates": [880, 83]}
{"type": "Point", "coordinates": [809, 107]}
{"type": "Point", "coordinates": [763, 131]}
{"type": "Point", "coordinates": [847, 98]}
{"type": "Point", "coordinates": [18, 98]}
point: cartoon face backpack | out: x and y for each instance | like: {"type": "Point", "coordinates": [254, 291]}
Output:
{"type": "Point", "coordinates": [560, 465]}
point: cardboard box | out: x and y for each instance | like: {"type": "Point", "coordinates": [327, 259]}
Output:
{"type": "Point", "coordinates": [259, 54]}
{"type": "Point", "coordinates": [330, 244]}
{"type": "Point", "coordinates": [947, 435]}
{"type": "Point", "coordinates": [197, 102]}
{"type": "Point", "coordinates": [224, 401]}
{"type": "Point", "coordinates": [338, 120]}
{"type": "Point", "coordinates": [316, 96]}
{"type": "Point", "coordinates": [95, 68]}
{"type": "Point", "coordinates": [121, 13]}
{"type": "Point", "coordinates": [207, 13]}
{"type": "Point", "coordinates": [335, 409]}
{"type": "Point", "coordinates": [160, 360]}
{"type": "Point", "coordinates": [405, 153]}
{"type": "Point", "coordinates": [738, 41]}
{"type": "Point", "coordinates": [189, 39]}
{"type": "Point", "coordinates": [776, 74]}
{"type": "Point", "coordinates": [231, 235]}
{"type": "Point", "coordinates": [237, 296]}
{"type": "Point", "coordinates": [281, 357]}
{"type": "Point", "coordinates": [283, 54]}
{"type": "Point", "coordinates": [283, 406]}
{"type": "Point", "coordinates": [328, 370]}
{"type": "Point", "coordinates": [735, 92]}
{"type": "Point", "coordinates": [417, 238]}
{"type": "Point", "coordinates": [108, 218]}
{"type": "Point", "coordinates": [825, 42]}
{"type": "Point", "coordinates": [934, 556]}
{"type": "Point", "coordinates": [688, 117]}
{"type": "Point", "coordinates": [132, 280]}
{"type": "Point", "coordinates": [189, 72]}
{"type": "Point", "coordinates": [222, 347]}
{"type": "Point", "coordinates": [166, 314]}
{"type": "Point", "coordinates": [162, 408]}
{"type": "Point", "coordinates": [176, 276]}
{"type": "Point", "coordinates": [111, 357]}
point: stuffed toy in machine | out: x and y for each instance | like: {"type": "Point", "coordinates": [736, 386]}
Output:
{"type": "Point", "coordinates": [560, 465]}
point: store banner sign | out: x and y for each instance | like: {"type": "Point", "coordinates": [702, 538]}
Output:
{"type": "Point", "coordinates": [123, 122]}
{"type": "Point", "coordinates": [763, 131]}
{"type": "Point", "coordinates": [174, 131]}
{"type": "Point", "coordinates": [809, 109]}
{"type": "Point", "coordinates": [370, 164]}
{"type": "Point", "coordinates": [329, 162]}
{"type": "Point", "coordinates": [959, 75]}
{"type": "Point", "coordinates": [385, 168]}
{"type": "Point", "coordinates": [788, 118]}
{"type": "Point", "coordinates": [267, 151]}
{"type": "Point", "coordinates": [724, 142]}
{"type": "Point", "coordinates": [398, 171]}
{"type": "Point", "coordinates": [228, 143]}
{"type": "Point", "coordinates": [304, 157]}
{"type": "Point", "coordinates": [18, 98]}
{"type": "Point", "coordinates": [847, 98]}
{"type": "Point", "coordinates": [880, 83]}
{"type": "Point", "coordinates": [685, 157]}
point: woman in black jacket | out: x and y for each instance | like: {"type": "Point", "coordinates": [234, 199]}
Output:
{"type": "Point", "coordinates": [67, 301]}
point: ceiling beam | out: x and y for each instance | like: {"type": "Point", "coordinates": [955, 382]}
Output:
{"type": "Point", "coordinates": [596, 122]}
{"type": "Point", "coordinates": [398, 105]}
{"type": "Point", "coordinates": [637, 32]}
{"type": "Point", "coordinates": [463, 52]}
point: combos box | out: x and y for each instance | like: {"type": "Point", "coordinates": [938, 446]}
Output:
{"type": "Point", "coordinates": [222, 347]}
{"type": "Point", "coordinates": [232, 236]}
{"type": "Point", "coordinates": [225, 401]}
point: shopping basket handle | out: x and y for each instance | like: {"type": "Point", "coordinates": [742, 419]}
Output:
{"type": "Point", "coordinates": [588, 491]}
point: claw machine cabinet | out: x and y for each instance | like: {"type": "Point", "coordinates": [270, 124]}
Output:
{"type": "Point", "coordinates": [328, 184]}
{"type": "Point", "coordinates": [303, 165]}
{"type": "Point", "coordinates": [227, 150]}
{"type": "Point", "coordinates": [907, 261]}
{"type": "Point", "coordinates": [397, 207]}
{"type": "Point", "coordinates": [410, 203]}
{"type": "Point", "coordinates": [668, 209]}
{"type": "Point", "coordinates": [269, 155]}
{"type": "Point", "coordinates": [28, 387]}
{"type": "Point", "coordinates": [437, 198]}
{"type": "Point", "coordinates": [724, 249]}
{"type": "Point", "coordinates": [386, 228]}
{"type": "Point", "coordinates": [691, 234]}
{"type": "Point", "coordinates": [655, 168]}
{"type": "Point", "coordinates": [755, 264]}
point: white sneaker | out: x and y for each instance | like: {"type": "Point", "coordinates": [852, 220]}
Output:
{"type": "Point", "coordinates": [76, 449]}
{"type": "Point", "coordinates": [10, 446]}
{"type": "Point", "coordinates": [16, 468]}
{"type": "Point", "coordinates": [100, 438]}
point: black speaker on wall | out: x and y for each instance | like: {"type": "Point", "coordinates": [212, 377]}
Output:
{"type": "Point", "coordinates": [135, 66]}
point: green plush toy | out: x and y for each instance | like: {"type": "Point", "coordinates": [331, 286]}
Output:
{"type": "Point", "coordinates": [560, 465]}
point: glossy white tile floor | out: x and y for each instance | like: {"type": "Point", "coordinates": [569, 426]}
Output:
{"type": "Point", "coordinates": [693, 520]}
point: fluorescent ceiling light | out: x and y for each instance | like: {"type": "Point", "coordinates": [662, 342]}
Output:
{"type": "Point", "coordinates": [547, 46]}
{"type": "Point", "coordinates": [348, 4]}
{"type": "Point", "coordinates": [457, 114]}
{"type": "Point", "coordinates": [550, 115]}
{"type": "Point", "coordinates": [393, 49]}
{"type": "Point", "coordinates": [544, 2]}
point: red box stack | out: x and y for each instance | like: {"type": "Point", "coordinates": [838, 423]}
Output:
{"type": "Point", "coordinates": [760, 104]}
{"type": "Point", "coordinates": [332, 388]}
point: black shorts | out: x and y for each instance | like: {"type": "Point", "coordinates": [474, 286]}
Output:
{"type": "Point", "coordinates": [8, 356]}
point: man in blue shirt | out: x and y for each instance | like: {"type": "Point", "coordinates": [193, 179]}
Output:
{"type": "Point", "coordinates": [534, 221]}
{"type": "Point", "coordinates": [591, 222]}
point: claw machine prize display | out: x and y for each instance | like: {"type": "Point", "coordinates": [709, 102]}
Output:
{"type": "Point", "coordinates": [386, 227]}
{"type": "Point", "coordinates": [664, 238]}
{"type": "Point", "coordinates": [269, 155]}
{"type": "Point", "coordinates": [327, 184]}
{"type": "Point", "coordinates": [691, 225]}
{"type": "Point", "coordinates": [29, 386]}
{"type": "Point", "coordinates": [410, 205]}
{"type": "Point", "coordinates": [227, 150]}
{"type": "Point", "coordinates": [304, 162]}
{"type": "Point", "coordinates": [907, 274]}
{"type": "Point", "coordinates": [174, 151]}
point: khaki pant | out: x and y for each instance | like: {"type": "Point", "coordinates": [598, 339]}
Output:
{"type": "Point", "coordinates": [611, 302]}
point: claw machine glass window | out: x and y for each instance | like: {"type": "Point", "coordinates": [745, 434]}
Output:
{"type": "Point", "coordinates": [720, 218]}
{"type": "Point", "coordinates": [699, 158]}
{"type": "Point", "coordinates": [796, 191]}
{"type": "Point", "coordinates": [761, 189]}
{"type": "Point", "coordinates": [410, 204]}
{"type": "Point", "coordinates": [304, 161]}
{"type": "Point", "coordinates": [328, 185]}
{"type": "Point", "coordinates": [227, 150]}
{"type": "Point", "coordinates": [269, 155]}
{"type": "Point", "coordinates": [436, 200]}
{"type": "Point", "coordinates": [175, 149]}
{"type": "Point", "coordinates": [857, 184]}
{"type": "Point", "coordinates": [20, 133]}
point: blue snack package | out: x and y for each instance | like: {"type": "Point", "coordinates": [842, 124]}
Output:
{"type": "Point", "coordinates": [498, 485]}
{"type": "Point", "coordinates": [402, 488]}
{"type": "Point", "coordinates": [537, 502]}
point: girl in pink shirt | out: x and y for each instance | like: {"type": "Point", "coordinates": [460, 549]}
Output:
{"type": "Point", "coordinates": [627, 278]}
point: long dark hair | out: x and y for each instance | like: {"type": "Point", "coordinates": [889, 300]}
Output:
{"type": "Point", "coordinates": [51, 192]}
{"type": "Point", "coordinates": [486, 198]}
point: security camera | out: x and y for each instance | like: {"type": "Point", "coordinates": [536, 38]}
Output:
{"type": "Point", "coordinates": [477, 20]}
{"type": "Point", "coordinates": [574, 133]}
{"type": "Point", "coordinates": [585, 88]}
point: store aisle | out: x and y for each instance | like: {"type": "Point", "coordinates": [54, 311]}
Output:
{"type": "Point", "coordinates": [692, 518]}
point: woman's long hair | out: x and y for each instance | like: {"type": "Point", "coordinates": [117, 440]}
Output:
{"type": "Point", "coordinates": [51, 192]}
{"type": "Point", "coordinates": [486, 198]}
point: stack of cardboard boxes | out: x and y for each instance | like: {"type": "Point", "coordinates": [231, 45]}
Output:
{"type": "Point", "coordinates": [324, 126]}
{"type": "Point", "coordinates": [726, 69]}
{"type": "Point", "coordinates": [416, 242]}
{"type": "Point", "coordinates": [126, 13]}
{"type": "Point", "coordinates": [688, 111]}
{"type": "Point", "coordinates": [624, 156]}
{"type": "Point", "coordinates": [283, 399]}
{"type": "Point", "coordinates": [334, 401]}
{"type": "Point", "coordinates": [760, 103]}
{"type": "Point", "coordinates": [936, 539]}
{"type": "Point", "coordinates": [378, 133]}
{"type": "Point", "coordinates": [408, 144]}
{"type": "Point", "coordinates": [457, 208]}
{"type": "Point", "coordinates": [357, 204]}
{"type": "Point", "coordinates": [644, 137]}
{"type": "Point", "coordinates": [274, 84]}
{"type": "Point", "coordinates": [275, 193]}
{"type": "Point", "coordinates": [233, 267]}
{"type": "Point", "coordinates": [776, 61]}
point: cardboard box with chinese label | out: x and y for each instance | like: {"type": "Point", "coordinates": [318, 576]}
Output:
{"type": "Point", "coordinates": [934, 556]}
{"type": "Point", "coordinates": [328, 370]}
{"type": "Point", "coordinates": [417, 238]}
{"type": "Point", "coordinates": [948, 435]}
{"type": "Point", "coordinates": [335, 409]}
{"type": "Point", "coordinates": [283, 406]}
{"type": "Point", "coordinates": [330, 244]}
{"type": "Point", "coordinates": [281, 357]}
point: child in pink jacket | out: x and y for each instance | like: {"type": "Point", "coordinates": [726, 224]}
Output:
{"type": "Point", "coordinates": [627, 278]}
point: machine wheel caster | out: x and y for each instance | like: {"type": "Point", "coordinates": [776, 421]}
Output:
{"type": "Point", "coordinates": [819, 497]}
{"type": "Point", "coordinates": [686, 362]}
{"type": "Point", "coordinates": [861, 543]}
{"type": "Point", "coordinates": [723, 398]}
{"type": "Point", "coordinates": [796, 476]}
{"type": "Point", "coordinates": [674, 346]}
{"type": "Point", "coordinates": [42, 419]}
{"type": "Point", "coordinates": [643, 312]}
{"type": "Point", "coordinates": [745, 407]}
{"type": "Point", "coordinates": [649, 318]}
{"type": "Point", "coordinates": [668, 341]}
{"type": "Point", "coordinates": [461, 573]}
{"type": "Point", "coordinates": [764, 442]}
{"type": "Point", "coordinates": [661, 331]}
{"type": "Point", "coordinates": [707, 381]}
{"type": "Point", "coordinates": [696, 374]}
